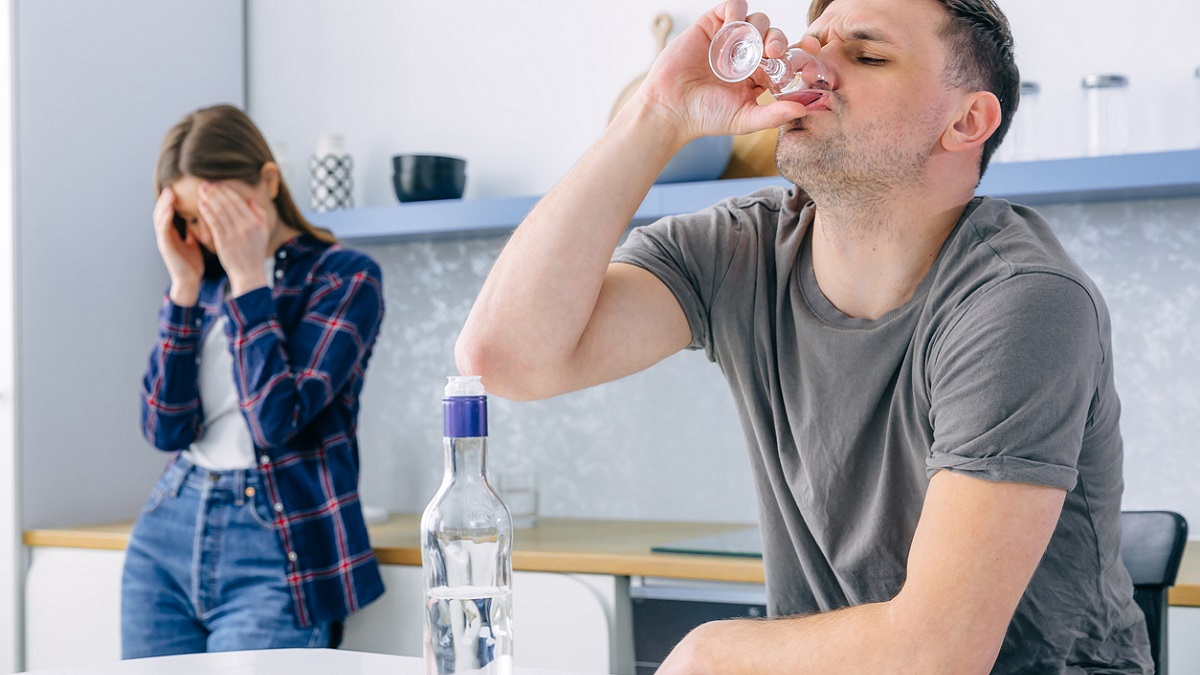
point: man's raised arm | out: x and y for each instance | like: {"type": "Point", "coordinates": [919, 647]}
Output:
{"type": "Point", "coordinates": [554, 315]}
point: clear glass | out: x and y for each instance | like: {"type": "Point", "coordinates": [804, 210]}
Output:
{"type": "Point", "coordinates": [1107, 114]}
{"type": "Point", "coordinates": [519, 489]}
{"type": "Point", "coordinates": [737, 51]}
{"type": "Point", "coordinates": [466, 556]}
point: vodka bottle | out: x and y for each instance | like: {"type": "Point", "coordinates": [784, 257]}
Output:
{"type": "Point", "coordinates": [466, 549]}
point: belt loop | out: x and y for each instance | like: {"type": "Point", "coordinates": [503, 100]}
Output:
{"type": "Point", "coordinates": [239, 487]}
{"type": "Point", "coordinates": [177, 474]}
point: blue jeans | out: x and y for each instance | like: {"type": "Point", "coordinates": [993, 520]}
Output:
{"type": "Point", "coordinates": [205, 571]}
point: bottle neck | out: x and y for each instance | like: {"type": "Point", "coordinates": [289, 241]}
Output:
{"type": "Point", "coordinates": [466, 458]}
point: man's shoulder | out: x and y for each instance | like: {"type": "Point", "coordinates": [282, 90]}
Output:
{"type": "Point", "coordinates": [765, 206]}
{"type": "Point", "coordinates": [1005, 259]}
{"type": "Point", "coordinates": [998, 241]}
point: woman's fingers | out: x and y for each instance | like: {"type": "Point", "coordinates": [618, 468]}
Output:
{"type": "Point", "coordinates": [164, 208]}
{"type": "Point", "coordinates": [227, 206]}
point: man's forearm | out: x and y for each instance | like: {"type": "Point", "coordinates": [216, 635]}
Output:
{"type": "Point", "coordinates": [862, 639]}
{"type": "Point", "coordinates": [540, 294]}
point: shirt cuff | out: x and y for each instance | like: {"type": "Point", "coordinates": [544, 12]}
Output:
{"type": "Point", "coordinates": [180, 323]}
{"type": "Point", "coordinates": [249, 310]}
{"type": "Point", "coordinates": [1006, 469]}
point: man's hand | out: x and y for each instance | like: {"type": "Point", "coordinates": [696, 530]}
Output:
{"type": "Point", "coordinates": [682, 85]}
{"type": "Point", "coordinates": [240, 234]}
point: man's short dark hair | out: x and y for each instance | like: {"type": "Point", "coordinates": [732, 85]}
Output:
{"type": "Point", "coordinates": [980, 48]}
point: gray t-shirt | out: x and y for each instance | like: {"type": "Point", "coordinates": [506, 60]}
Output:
{"type": "Point", "coordinates": [999, 367]}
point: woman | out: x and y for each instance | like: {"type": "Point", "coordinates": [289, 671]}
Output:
{"type": "Point", "coordinates": [254, 536]}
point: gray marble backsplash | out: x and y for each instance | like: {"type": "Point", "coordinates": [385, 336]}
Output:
{"type": "Point", "coordinates": [665, 444]}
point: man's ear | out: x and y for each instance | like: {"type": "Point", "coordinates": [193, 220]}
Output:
{"type": "Point", "coordinates": [270, 177]}
{"type": "Point", "coordinates": [978, 118]}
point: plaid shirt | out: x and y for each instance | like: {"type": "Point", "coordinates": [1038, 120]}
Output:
{"type": "Point", "coordinates": [300, 351]}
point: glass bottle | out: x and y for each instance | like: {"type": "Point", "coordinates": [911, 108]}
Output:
{"type": "Point", "coordinates": [466, 549]}
{"type": "Point", "coordinates": [1107, 114]}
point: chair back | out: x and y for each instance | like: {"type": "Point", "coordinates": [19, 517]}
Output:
{"type": "Point", "coordinates": [1152, 545]}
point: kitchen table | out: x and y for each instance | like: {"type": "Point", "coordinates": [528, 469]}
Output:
{"type": "Point", "coordinates": [270, 662]}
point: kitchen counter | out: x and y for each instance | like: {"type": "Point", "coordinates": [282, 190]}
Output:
{"type": "Point", "coordinates": [270, 661]}
{"type": "Point", "coordinates": [619, 548]}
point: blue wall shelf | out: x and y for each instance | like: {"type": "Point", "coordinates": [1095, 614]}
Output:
{"type": "Point", "coordinates": [1084, 179]}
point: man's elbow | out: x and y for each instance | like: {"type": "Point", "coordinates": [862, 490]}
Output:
{"type": "Point", "coordinates": [502, 373]}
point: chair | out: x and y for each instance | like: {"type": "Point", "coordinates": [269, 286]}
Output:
{"type": "Point", "coordinates": [1151, 546]}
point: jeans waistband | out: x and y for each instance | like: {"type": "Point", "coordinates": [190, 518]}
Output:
{"type": "Point", "coordinates": [182, 472]}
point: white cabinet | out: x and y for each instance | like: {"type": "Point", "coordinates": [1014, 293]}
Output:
{"type": "Point", "coordinates": [574, 622]}
{"type": "Point", "coordinates": [72, 607]}
{"type": "Point", "coordinates": [1183, 647]}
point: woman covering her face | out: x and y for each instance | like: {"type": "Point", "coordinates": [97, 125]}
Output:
{"type": "Point", "coordinates": [254, 536]}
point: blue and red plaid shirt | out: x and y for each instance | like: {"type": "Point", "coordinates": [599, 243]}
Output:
{"type": "Point", "coordinates": [300, 351]}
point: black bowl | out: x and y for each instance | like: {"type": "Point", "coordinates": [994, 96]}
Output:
{"type": "Point", "coordinates": [424, 177]}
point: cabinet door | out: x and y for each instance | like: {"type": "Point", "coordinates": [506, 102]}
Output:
{"type": "Point", "coordinates": [72, 607]}
{"type": "Point", "coordinates": [573, 622]}
{"type": "Point", "coordinates": [1183, 650]}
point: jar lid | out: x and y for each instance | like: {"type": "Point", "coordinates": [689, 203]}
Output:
{"type": "Point", "coordinates": [1104, 81]}
{"type": "Point", "coordinates": [1030, 88]}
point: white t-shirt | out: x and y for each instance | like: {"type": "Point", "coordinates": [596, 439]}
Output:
{"type": "Point", "coordinates": [224, 443]}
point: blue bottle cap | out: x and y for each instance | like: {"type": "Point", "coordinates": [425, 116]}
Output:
{"type": "Point", "coordinates": [464, 416]}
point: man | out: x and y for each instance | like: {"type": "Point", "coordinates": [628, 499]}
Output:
{"type": "Point", "coordinates": [924, 377]}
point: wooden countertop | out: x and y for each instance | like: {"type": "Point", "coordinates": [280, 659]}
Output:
{"type": "Point", "coordinates": [614, 547]}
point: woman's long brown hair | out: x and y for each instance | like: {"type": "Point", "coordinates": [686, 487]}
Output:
{"type": "Point", "coordinates": [222, 143]}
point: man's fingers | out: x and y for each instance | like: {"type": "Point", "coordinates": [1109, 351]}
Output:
{"type": "Point", "coordinates": [760, 22]}
{"type": "Point", "coordinates": [776, 43]}
{"type": "Point", "coordinates": [733, 10]}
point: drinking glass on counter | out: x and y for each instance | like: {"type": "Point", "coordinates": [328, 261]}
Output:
{"type": "Point", "coordinates": [518, 488]}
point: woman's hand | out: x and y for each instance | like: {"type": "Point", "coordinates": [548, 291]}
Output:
{"type": "Point", "coordinates": [185, 262]}
{"type": "Point", "coordinates": [240, 234]}
{"type": "Point", "coordinates": [682, 83]}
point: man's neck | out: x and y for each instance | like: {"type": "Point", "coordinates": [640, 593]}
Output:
{"type": "Point", "coordinates": [870, 257]}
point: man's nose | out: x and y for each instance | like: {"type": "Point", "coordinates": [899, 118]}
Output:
{"type": "Point", "coordinates": [819, 74]}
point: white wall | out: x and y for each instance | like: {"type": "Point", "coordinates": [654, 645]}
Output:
{"type": "Point", "coordinates": [10, 530]}
{"type": "Point", "coordinates": [521, 88]}
{"type": "Point", "coordinates": [98, 85]}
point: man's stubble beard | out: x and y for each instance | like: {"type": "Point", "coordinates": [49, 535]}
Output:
{"type": "Point", "coordinates": [838, 173]}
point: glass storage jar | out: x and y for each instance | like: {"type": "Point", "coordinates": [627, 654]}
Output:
{"type": "Point", "coordinates": [1107, 113]}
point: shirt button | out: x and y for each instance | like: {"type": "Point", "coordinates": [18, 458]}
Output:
{"type": "Point", "coordinates": [249, 492]}
{"type": "Point", "coordinates": [278, 274]}
{"type": "Point", "coordinates": [278, 507]}
{"type": "Point", "coordinates": [282, 255]}
{"type": "Point", "coordinates": [292, 556]}
{"type": "Point", "coordinates": [198, 322]}
{"type": "Point", "coordinates": [264, 460]}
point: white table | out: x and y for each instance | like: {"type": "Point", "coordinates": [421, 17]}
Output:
{"type": "Point", "coordinates": [270, 662]}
